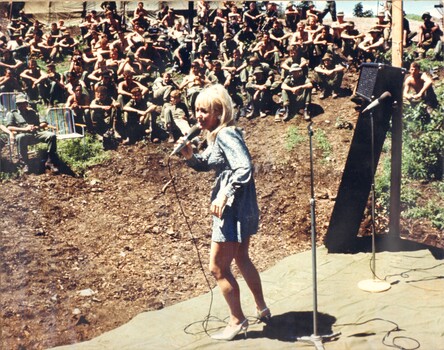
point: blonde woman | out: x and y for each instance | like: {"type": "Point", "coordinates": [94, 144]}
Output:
{"type": "Point", "coordinates": [233, 204]}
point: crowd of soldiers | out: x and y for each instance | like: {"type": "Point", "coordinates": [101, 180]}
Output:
{"type": "Point", "coordinates": [137, 76]}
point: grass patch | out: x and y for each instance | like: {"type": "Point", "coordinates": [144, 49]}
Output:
{"type": "Point", "coordinates": [322, 141]}
{"type": "Point", "coordinates": [80, 157]}
{"type": "Point", "coordinates": [294, 138]}
{"type": "Point", "coordinates": [430, 211]}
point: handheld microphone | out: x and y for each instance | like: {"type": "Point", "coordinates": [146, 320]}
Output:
{"type": "Point", "coordinates": [192, 133]}
{"type": "Point", "coordinates": [378, 101]}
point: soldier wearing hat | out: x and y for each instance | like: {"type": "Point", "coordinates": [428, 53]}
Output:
{"type": "Point", "coordinates": [292, 17]}
{"type": "Point", "coordinates": [385, 26]}
{"type": "Point", "coordinates": [372, 46]}
{"type": "Point", "coordinates": [150, 57]}
{"type": "Point", "coordinates": [30, 130]}
{"type": "Point", "coordinates": [430, 36]}
{"type": "Point", "coordinates": [296, 93]}
{"type": "Point", "coordinates": [228, 45]}
{"type": "Point", "coordinates": [328, 77]}
{"type": "Point", "coordinates": [351, 38]}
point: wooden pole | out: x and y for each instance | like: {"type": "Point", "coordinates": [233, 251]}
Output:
{"type": "Point", "coordinates": [396, 161]}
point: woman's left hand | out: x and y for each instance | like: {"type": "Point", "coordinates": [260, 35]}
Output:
{"type": "Point", "coordinates": [218, 205]}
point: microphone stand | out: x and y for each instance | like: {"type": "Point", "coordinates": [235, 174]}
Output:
{"type": "Point", "coordinates": [374, 285]}
{"type": "Point", "coordinates": [315, 339]}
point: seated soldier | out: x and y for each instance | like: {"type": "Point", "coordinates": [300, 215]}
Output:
{"type": "Point", "coordinates": [267, 51]}
{"type": "Point", "coordinates": [228, 45]}
{"type": "Point", "coordinates": [67, 44]}
{"type": "Point", "coordinates": [30, 78]}
{"type": "Point", "coordinates": [372, 45]}
{"type": "Point", "coordinates": [193, 83]}
{"type": "Point", "coordinates": [79, 103]}
{"type": "Point", "coordinates": [236, 66]}
{"type": "Point", "coordinates": [296, 92]}
{"type": "Point", "coordinates": [328, 77]}
{"type": "Point", "coordinates": [295, 56]}
{"type": "Point", "coordinates": [8, 82]}
{"type": "Point", "coordinates": [9, 61]}
{"type": "Point", "coordinates": [162, 88]}
{"type": "Point", "coordinates": [30, 129]}
{"type": "Point", "coordinates": [258, 89]}
{"type": "Point", "coordinates": [385, 28]}
{"type": "Point", "coordinates": [323, 42]}
{"type": "Point", "coordinates": [419, 87]}
{"type": "Point", "coordinates": [279, 36]}
{"type": "Point", "coordinates": [176, 117]}
{"type": "Point", "coordinates": [51, 86]}
{"type": "Point", "coordinates": [138, 117]}
{"type": "Point", "coordinates": [125, 88]}
{"type": "Point", "coordinates": [105, 113]}
{"type": "Point", "coordinates": [183, 55]}
{"type": "Point", "coordinates": [351, 39]}
{"type": "Point", "coordinates": [430, 36]}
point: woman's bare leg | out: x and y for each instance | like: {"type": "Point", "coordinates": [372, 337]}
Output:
{"type": "Point", "coordinates": [221, 256]}
{"type": "Point", "coordinates": [250, 274]}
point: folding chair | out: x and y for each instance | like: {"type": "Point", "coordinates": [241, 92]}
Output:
{"type": "Point", "coordinates": [7, 104]}
{"type": "Point", "coordinates": [61, 120]}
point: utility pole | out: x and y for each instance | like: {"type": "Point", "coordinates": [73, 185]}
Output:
{"type": "Point", "coordinates": [440, 9]}
{"type": "Point", "coordinates": [395, 179]}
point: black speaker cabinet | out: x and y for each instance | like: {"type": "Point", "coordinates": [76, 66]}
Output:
{"type": "Point", "coordinates": [376, 78]}
{"type": "Point", "coordinates": [354, 190]}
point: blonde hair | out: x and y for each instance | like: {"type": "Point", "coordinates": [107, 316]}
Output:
{"type": "Point", "coordinates": [217, 100]}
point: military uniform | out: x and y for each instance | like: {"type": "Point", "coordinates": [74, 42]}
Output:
{"type": "Point", "coordinates": [30, 117]}
{"type": "Point", "coordinates": [301, 98]}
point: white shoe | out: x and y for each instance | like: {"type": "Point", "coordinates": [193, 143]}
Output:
{"type": "Point", "coordinates": [231, 331]}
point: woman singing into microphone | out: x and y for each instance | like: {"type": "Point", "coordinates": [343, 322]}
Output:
{"type": "Point", "coordinates": [233, 204]}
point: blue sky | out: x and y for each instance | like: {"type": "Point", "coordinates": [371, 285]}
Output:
{"type": "Point", "coordinates": [410, 7]}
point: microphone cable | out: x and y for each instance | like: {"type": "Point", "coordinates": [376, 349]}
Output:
{"type": "Point", "coordinates": [384, 341]}
{"type": "Point", "coordinates": [208, 317]}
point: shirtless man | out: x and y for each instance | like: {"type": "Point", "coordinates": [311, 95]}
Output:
{"type": "Point", "coordinates": [418, 87]}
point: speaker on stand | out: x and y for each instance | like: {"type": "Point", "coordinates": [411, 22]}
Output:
{"type": "Point", "coordinates": [375, 80]}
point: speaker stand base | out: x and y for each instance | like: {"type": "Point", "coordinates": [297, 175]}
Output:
{"type": "Point", "coordinates": [317, 340]}
{"type": "Point", "coordinates": [374, 286]}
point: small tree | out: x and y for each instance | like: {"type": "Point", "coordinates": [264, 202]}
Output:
{"type": "Point", "coordinates": [358, 11]}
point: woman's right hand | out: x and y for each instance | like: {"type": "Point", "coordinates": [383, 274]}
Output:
{"type": "Point", "coordinates": [187, 150]}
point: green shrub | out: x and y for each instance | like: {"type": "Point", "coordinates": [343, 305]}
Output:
{"type": "Point", "coordinates": [430, 211]}
{"type": "Point", "coordinates": [422, 162]}
{"type": "Point", "coordinates": [423, 140]}
{"type": "Point", "coordinates": [80, 157]}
